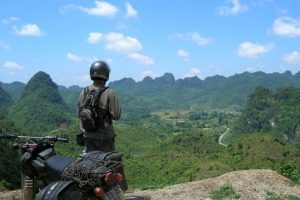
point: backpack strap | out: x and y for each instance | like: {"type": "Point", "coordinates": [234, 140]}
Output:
{"type": "Point", "coordinates": [98, 95]}
{"type": "Point", "coordinates": [85, 91]}
{"type": "Point", "coordinates": [101, 115]}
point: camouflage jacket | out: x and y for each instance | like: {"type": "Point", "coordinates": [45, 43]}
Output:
{"type": "Point", "coordinates": [108, 101]}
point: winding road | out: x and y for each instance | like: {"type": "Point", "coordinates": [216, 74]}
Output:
{"type": "Point", "coordinates": [221, 137]}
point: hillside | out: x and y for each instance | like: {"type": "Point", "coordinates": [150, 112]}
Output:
{"type": "Point", "coordinates": [167, 93]}
{"type": "Point", "coordinates": [70, 95]}
{"type": "Point", "coordinates": [5, 101]}
{"type": "Point", "coordinates": [213, 92]}
{"type": "Point", "coordinates": [40, 106]}
{"type": "Point", "coordinates": [248, 184]}
{"type": "Point", "coordinates": [14, 89]}
{"type": "Point", "coordinates": [170, 146]}
{"type": "Point", "coordinates": [9, 159]}
{"type": "Point", "coordinates": [277, 111]}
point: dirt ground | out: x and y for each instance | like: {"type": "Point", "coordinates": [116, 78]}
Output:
{"type": "Point", "coordinates": [248, 184]}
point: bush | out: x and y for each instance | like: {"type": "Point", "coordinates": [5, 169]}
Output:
{"type": "Point", "coordinates": [289, 169]}
{"type": "Point", "coordinates": [225, 192]}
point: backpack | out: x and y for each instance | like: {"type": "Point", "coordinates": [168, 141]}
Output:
{"type": "Point", "coordinates": [90, 114]}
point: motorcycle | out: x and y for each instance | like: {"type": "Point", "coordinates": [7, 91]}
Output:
{"type": "Point", "coordinates": [46, 175]}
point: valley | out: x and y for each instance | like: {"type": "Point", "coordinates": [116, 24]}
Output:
{"type": "Point", "coordinates": [164, 144]}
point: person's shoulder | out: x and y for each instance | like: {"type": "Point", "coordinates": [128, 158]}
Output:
{"type": "Point", "coordinates": [110, 91]}
{"type": "Point", "coordinates": [85, 88]}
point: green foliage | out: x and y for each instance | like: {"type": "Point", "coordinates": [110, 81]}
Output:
{"type": "Point", "coordinates": [225, 192]}
{"type": "Point", "coordinates": [258, 112]}
{"type": "Point", "coordinates": [14, 89]}
{"type": "Point", "coordinates": [293, 198]}
{"type": "Point", "coordinates": [70, 96]}
{"type": "Point", "coordinates": [9, 159]}
{"type": "Point", "coordinates": [40, 108]}
{"type": "Point", "coordinates": [277, 111]}
{"type": "Point", "coordinates": [176, 146]}
{"type": "Point", "coordinates": [257, 151]}
{"type": "Point", "coordinates": [273, 196]}
{"type": "Point", "coordinates": [4, 184]}
{"type": "Point", "coordinates": [5, 101]}
{"type": "Point", "coordinates": [289, 169]}
{"type": "Point", "coordinates": [213, 92]}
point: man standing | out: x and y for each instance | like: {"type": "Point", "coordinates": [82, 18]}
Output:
{"type": "Point", "coordinates": [103, 108]}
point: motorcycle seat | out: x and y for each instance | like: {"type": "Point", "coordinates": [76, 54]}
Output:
{"type": "Point", "coordinates": [100, 155]}
{"type": "Point", "coordinates": [55, 166]}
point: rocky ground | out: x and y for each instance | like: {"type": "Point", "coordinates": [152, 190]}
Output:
{"type": "Point", "coordinates": [247, 184]}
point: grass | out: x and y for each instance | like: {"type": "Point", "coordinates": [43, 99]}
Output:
{"type": "Point", "coordinates": [226, 191]}
{"type": "Point", "coordinates": [273, 196]}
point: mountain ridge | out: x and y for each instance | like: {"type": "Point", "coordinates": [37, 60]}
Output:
{"type": "Point", "coordinates": [40, 107]}
{"type": "Point", "coordinates": [166, 92]}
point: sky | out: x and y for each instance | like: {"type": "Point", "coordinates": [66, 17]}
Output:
{"type": "Point", "coordinates": [140, 38]}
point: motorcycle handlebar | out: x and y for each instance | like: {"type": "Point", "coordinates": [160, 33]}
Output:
{"type": "Point", "coordinates": [60, 139]}
{"type": "Point", "coordinates": [8, 136]}
{"type": "Point", "coordinates": [52, 138]}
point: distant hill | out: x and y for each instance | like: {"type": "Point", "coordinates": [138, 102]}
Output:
{"type": "Point", "coordinates": [70, 95]}
{"type": "Point", "coordinates": [167, 93]}
{"type": "Point", "coordinates": [132, 107]}
{"type": "Point", "coordinates": [277, 111]}
{"type": "Point", "coordinates": [40, 107]}
{"type": "Point", "coordinates": [14, 89]}
{"type": "Point", "coordinates": [213, 92]}
{"type": "Point", "coordinates": [5, 101]}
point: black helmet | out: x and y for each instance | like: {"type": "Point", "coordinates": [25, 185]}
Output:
{"type": "Point", "coordinates": [99, 70]}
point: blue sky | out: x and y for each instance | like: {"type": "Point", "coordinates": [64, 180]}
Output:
{"type": "Point", "coordinates": [147, 38]}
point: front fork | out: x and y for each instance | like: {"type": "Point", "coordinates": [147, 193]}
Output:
{"type": "Point", "coordinates": [27, 187]}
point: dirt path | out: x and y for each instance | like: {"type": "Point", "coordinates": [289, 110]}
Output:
{"type": "Point", "coordinates": [221, 137]}
{"type": "Point", "coordinates": [249, 184]}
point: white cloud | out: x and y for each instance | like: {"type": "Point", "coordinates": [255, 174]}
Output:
{"type": "Point", "coordinates": [130, 11]}
{"type": "Point", "coordinates": [182, 53]}
{"type": "Point", "coordinates": [116, 42]}
{"type": "Point", "coordinates": [12, 65]}
{"type": "Point", "coordinates": [252, 50]}
{"type": "Point", "coordinates": [74, 57]}
{"type": "Point", "coordinates": [193, 72]}
{"type": "Point", "coordinates": [286, 26]}
{"type": "Point", "coordinates": [9, 20]}
{"type": "Point", "coordinates": [121, 43]}
{"type": "Point", "coordinates": [4, 45]}
{"type": "Point", "coordinates": [234, 9]}
{"type": "Point", "coordinates": [29, 30]}
{"type": "Point", "coordinates": [150, 74]}
{"type": "Point", "coordinates": [141, 59]}
{"type": "Point", "coordinates": [195, 37]}
{"type": "Point", "coordinates": [292, 58]}
{"type": "Point", "coordinates": [102, 8]}
{"type": "Point", "coordinates": [94, 37]}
